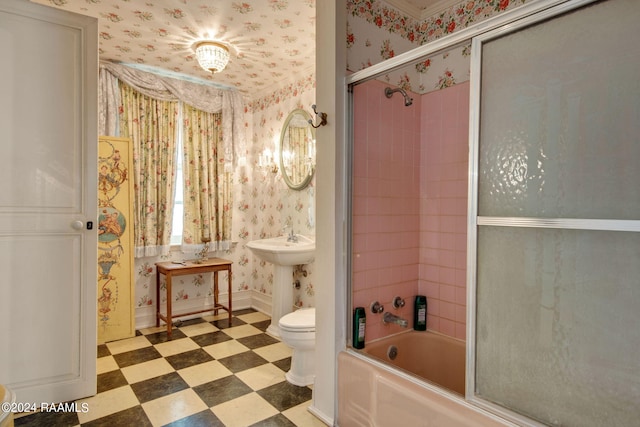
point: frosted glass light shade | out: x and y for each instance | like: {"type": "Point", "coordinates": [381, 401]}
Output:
{"type": "Point", "coordinates": [212, 56]}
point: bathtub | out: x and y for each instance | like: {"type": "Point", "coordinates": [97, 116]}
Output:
{"type": "Point", "coordinates": [374, 391]}
{"type": "Point", "coordinates": [433, 357]}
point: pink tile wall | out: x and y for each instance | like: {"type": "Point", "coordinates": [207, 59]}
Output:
{"type": "Point", "coordinates": [443, 206]}
{"type": "Point", "coordinates": [409, 205]}
{"type": "Point", "coordinates": [386, 203]}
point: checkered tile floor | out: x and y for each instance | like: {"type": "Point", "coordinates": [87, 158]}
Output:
{"type": "Point", "coordinates": [211, 373]}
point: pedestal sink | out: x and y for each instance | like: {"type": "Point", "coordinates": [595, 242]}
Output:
{"type": "Point", "coordinates": [283, 254]}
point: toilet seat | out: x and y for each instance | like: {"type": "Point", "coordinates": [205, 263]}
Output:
{"type": "Point", "coordinates": [301, 320]}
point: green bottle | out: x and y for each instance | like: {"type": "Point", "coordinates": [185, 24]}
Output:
{"type": "Point", "coordinates": [420, 313]}
{"type": "Point", "coordinates": [359, 320]}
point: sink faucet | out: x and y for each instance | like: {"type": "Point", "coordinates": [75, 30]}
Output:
{"type": "Point", "coordinates": [292, 237]}
{"type": "Point", "coordinates": [392, 318]}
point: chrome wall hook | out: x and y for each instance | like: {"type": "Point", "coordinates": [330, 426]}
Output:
{"type": "Point", "coordinates": [323, 118]}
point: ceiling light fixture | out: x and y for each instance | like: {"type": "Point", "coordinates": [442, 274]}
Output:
{"type": "Point", "coordinates": [212, 56]}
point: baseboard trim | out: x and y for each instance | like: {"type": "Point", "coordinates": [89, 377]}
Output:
{"type": "Point", "coordinates": [146, 316]}
{"type": "Point", "coordinates": [261, 302]}
{"type": "Point", "coordinates": [320, 415]}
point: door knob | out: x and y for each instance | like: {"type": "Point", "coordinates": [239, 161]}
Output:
{"type": "Point", "coordinates": [77, 225]}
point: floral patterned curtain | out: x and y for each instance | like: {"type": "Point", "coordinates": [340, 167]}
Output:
{"type": "Point", "coordinates": [151, 125]}
{"type": "Point", "coordinates": [207, 185]}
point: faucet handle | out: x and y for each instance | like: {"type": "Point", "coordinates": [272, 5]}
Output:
{"type": "Point", "coordinates": [376, 307]}
{"type": "Point", "coordinates": [398, 302]}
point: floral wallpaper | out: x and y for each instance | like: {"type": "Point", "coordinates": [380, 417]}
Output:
{"type": "Point", "coordinates": [271, 204]}
{"type": "Point", "coordinates": [270, 40]}
{"type": "Point", "coordinates": [377, 31]}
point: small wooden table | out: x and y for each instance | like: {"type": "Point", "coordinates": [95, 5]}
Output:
{"type": "Point", "coordinates": [170, 269]}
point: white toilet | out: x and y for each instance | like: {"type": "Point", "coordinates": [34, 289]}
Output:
{"type": "Point", "coordinates": [298, 331]}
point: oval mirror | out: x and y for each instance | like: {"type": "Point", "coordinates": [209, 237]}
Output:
{"type": "Point", "coordinates": [297, 150]}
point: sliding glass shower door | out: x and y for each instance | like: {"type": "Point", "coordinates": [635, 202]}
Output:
{"type": "Point", "coordinates": [555, 230]}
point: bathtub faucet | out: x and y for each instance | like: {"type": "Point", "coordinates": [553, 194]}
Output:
{"type": "Point", "coordinates": [392, 318]}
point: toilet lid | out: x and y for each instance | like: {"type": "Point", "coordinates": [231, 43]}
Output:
{"type": "Point", "coordinates": [303, 319]}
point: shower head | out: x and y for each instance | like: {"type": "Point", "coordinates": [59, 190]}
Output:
{"type": "Point", "coordinates": [407, 99]}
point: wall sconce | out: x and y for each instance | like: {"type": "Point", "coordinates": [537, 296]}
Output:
{"type": "Point", "coordinates": [266, 161]}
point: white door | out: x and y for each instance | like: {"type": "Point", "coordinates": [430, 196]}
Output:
{"type": "Point", "coordinates": [48, 155]}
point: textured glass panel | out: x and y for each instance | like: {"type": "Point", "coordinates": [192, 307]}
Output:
{"type": "Point", "coordinates": [560, 117]}
{"type": "Point", "coordinates": [558, 315]}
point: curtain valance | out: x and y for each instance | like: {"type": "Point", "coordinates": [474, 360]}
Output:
{"type": "Point", "coordinates": [202, 97]}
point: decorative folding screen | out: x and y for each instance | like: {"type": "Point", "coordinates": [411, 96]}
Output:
{"type": "Point", "coordinates": [115, 240]}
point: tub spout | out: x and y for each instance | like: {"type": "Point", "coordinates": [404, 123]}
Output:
{"type": "Point", "coordinates": [392, 318]}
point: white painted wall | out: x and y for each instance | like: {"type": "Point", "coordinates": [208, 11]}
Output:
{"type": "Point", "coordinates": [331, 292]}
